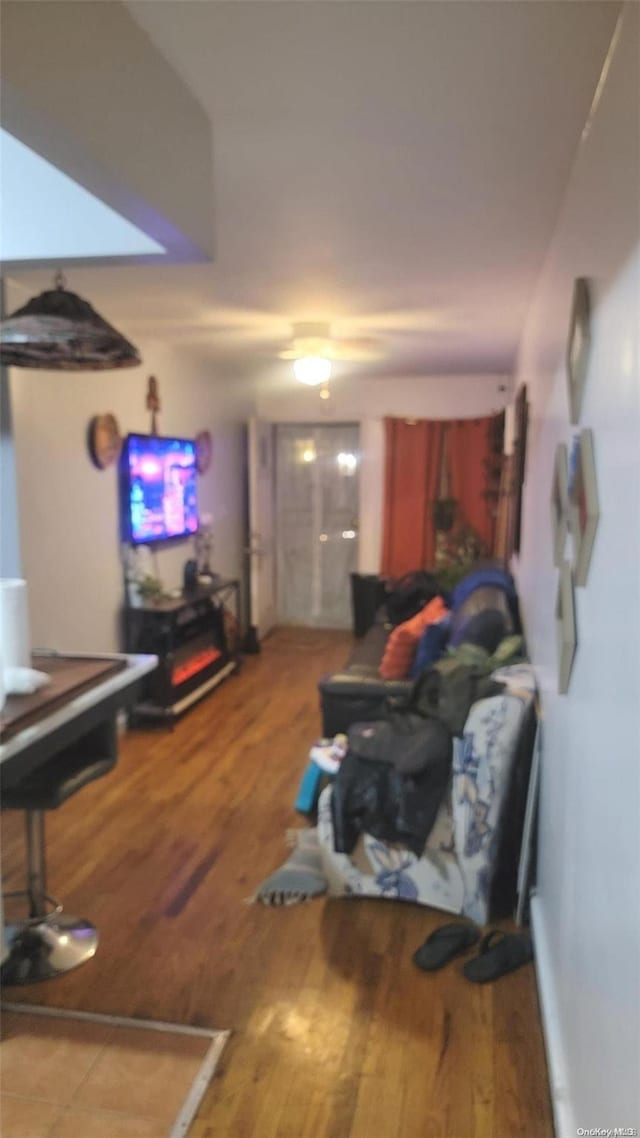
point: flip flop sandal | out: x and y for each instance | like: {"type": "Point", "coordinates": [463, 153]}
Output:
{"type": "Point", "coordinates": [498, 954]}
{"type": "Point", "coordinates": [443, 944]}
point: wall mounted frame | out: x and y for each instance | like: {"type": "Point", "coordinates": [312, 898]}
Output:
{"type": "Point", "coordinates": [560, 503]}
{"type": "Point", "coordinates": [578, 346]}
{"type": "Point", "coordinates": [584, 507]}
{"type": "Point", "coordinates": [565, 627]}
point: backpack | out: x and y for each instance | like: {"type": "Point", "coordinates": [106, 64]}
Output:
{"type": "Point", "coordinates": [409, 594]}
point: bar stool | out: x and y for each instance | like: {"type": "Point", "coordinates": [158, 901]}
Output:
{"type": "Point", "coordinates": [50, 942]}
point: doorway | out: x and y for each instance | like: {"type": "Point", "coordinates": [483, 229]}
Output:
{"type": "Point", "coordinates": [316, 516]}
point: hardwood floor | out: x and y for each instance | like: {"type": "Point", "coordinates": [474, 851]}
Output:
{"type": "Point", "coordinates": [336, 1033]}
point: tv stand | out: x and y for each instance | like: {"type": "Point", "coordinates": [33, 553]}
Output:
{"type": "Point", "coordinates": [195, 650]}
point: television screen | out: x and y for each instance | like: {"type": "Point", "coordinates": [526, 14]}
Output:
{"type": "Point", "coordinates": [159, 488]}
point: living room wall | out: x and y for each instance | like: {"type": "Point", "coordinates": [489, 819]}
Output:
{"type": "Point", "coordinates": [68, 509]}
{"type": "Point", "coordinates": [586, 914]}
{"type": "Point", "coordinates": [367, 401]}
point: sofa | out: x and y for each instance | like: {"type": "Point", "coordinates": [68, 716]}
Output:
{"type": "Point", "coordinates": [358, 692]}
{"type": "Point", "coordinates": [469, 862]}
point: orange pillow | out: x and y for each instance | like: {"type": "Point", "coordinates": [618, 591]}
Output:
{"type": "Point", "coordinates": [402, 644]}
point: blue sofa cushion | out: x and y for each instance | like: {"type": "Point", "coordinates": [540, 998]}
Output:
{"type": "Point", "coordinates": [431, 645]}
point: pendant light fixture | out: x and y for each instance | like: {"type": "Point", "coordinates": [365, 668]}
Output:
{"type": "Point", "coordinates": [59, 331]}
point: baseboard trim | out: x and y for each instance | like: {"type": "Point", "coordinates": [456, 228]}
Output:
{"type": "Point", "coordinates": [563, 1112]}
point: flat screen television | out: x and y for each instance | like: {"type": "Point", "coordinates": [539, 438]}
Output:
{"type": "Point", "coordinates": [158, 489]}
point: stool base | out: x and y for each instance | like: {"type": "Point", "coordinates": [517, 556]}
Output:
{"type": "Point", "coordinates": [46, 950]}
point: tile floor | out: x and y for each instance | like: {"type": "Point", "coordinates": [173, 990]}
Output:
{"type": "Point", "coordinates": [62, 1077]}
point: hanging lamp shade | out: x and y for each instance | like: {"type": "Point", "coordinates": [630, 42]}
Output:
{"type": "Point", "coordinates": [59, 331]}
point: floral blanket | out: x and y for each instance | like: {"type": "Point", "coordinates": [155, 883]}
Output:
{"type": "Point", "coordinates": [456, 868]}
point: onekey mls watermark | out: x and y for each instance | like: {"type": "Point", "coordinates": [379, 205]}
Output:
{"type": "Point", "coordinates": [607, 1131]}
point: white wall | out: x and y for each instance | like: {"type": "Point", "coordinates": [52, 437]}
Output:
{"type": "Point", "coordinates": [367, 402]}
{"type": "Point", "coordinates": [69, 519]}
{"type": "Point", "coordinates": [587, 909]}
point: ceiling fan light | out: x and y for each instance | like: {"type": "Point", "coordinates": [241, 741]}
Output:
{"type": "Point", "coordinates": [312, 370]}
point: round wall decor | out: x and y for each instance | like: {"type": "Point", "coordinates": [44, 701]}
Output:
{"type": "Point", "coordinates": [104, 440]}
{"type": "Point", "coordinates": [204, 451]}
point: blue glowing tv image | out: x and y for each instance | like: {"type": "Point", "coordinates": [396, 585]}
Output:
{"type": "Point", "coordinates": [159, 498]}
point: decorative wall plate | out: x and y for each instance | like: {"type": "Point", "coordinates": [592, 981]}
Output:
{"type": "Point", "coordinates": [104, 440]}
{"type": "Point", "coordinates": [204, 451]}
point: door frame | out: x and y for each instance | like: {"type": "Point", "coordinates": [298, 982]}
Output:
{"type": "Point", "coordinates": [260, 545]}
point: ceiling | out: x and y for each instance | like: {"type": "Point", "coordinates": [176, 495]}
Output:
{"type": "Point", "coordinates": [393, 167]}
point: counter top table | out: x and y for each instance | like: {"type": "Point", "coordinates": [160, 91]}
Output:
{"type": "Point", "coordinates": [83, 696]}
{"type": "Point", "coordinates": [83, 691]}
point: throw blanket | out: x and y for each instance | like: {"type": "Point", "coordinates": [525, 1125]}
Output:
{"type": "Point", "coordinates": [300, 878]}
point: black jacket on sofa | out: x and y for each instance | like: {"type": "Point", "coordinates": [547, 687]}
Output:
{"type": "Point", "coordinates": [391, 782]}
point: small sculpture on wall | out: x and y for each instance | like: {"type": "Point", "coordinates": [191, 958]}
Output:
{"type": "Point", "coordinates": [153, 402]}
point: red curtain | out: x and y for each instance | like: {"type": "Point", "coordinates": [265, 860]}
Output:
{"type": "Point", "coordinates": [412, 474]}
{"type": "Point", "coordinates": [469, 447]}
{"type": "Point", "coordinates": [414, 480]}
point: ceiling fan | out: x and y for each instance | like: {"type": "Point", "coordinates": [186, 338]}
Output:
{"type": "Point", "coordinates": [312, 341]}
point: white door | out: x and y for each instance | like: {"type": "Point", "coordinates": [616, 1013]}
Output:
{"type": "Point", "coordinates": [262, 562]}
{"type": "Point", "coordinates": [316, 511]}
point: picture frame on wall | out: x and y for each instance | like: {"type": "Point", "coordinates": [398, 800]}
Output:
{"type": "Point", "coordinates": [578, 346]}
{"type": "Point", "coordinates": [566, 637]}
{"type": "Point", "coordinates": [560, 503]}
{"type": "Point", "coordinates": [584, 505]}
{"type": "Point", "coordinates": [565, 627]}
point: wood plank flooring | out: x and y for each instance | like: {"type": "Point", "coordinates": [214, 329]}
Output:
{"type": "Point", "coordinates": [336, 1033]}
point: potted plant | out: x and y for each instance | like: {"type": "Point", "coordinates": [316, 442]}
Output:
{"type": "Point", "coordinates": [457, 554]}
{"type": "Point", "coordinates": [150, 589]}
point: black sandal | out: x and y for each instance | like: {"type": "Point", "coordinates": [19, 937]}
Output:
{"type": "Point", "coordinates": [443, 944]}
{"type": "Point", "coordinates": [499, 953]}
